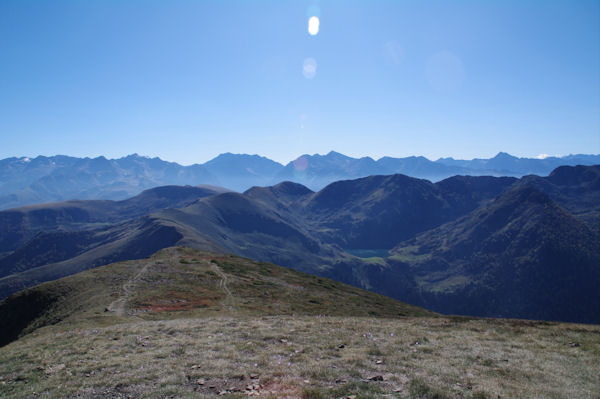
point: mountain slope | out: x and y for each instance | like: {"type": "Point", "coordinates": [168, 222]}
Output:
{"type": "Point", "coordinates": [522, 255]}
{"type": "Point", "coordinates": [21, 224]}
{"type": "Point", "coordinates": [577, 189]}
{"type": "Point", "coordinates": [377, 212]}
{"type": "Point", "coordinates": [178, 282]}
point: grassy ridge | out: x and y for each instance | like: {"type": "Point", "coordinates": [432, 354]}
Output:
{"type": "Point", "coordinates": [182, 282]}
{"type": "Point", "coordinates": [191, 324]}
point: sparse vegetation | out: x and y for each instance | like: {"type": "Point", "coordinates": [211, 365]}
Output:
{"type": "Point", "coordinates": [187, 334]}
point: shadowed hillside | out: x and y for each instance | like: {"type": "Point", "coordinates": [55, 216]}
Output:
{"type": "Point", "coordinates": [18, 225]}
{"type": "Point", "coordinates": [523, 256]}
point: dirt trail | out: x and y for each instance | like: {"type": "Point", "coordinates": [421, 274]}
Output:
{"type": "Point", "coordinates": [229, 301]}
{"type": "Point", "coordinates": [118, 305]}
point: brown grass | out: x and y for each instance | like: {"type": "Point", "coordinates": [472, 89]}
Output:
{"type": "Point", "coordinates": [301, 356]}
{"type": "Point", "coordinates": [193, 325]}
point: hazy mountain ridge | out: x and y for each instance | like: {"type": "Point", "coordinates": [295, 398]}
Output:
{"type": "Point", "coordinates": [25, 181]}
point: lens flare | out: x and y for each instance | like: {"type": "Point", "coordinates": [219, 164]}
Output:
{"type": "Point", "coordinates": [313, 25]}
{"type": "Point", "coordinates": [309, 68]}
{"type": "Point", "coordinates": [300, 164]}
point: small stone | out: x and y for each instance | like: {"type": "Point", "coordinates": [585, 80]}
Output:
{"type": "Point", "coordinates": [306, 381]}
{"type": "Point", "coordinates": [379, 361]}
{"type": "Point", "coordinates": [254, 376]}
{"type": "Point", "coordinates": [200, 382]}
{"type": "Point", "coordinates": [376, 378]}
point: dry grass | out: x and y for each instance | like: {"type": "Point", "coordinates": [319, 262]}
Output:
{"type": "Point", "coordinates": [188, 324]}
{"type": "Point", "coordinates": [301, 357]}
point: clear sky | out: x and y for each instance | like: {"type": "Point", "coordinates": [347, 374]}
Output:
{"type": "Point", "coordinates": [187, 80]}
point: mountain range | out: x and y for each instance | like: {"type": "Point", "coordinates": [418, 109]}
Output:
{"type": "Point", "coordinates": [478, 245]}
{"type": "Point", "coordinates": [25, 181]}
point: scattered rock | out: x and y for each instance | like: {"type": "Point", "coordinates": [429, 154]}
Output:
{"type": "Point", "coordinates": [306, 381]}
{"type": "Point", "coordinates": [253, 387]}
{"type": "Point", "coordinates": [379, 361]}
{"type": "Point", "coordinates": [200, 382]}
{"type": "Point", "coordinates": [195, 366]}
{"type": "Point", "coordinates": [341, 381]}
{"type": "Point", "coordinates": [254, 376]}
{"type": "Point", "coordinates": [376, 378]}
{"type": "Point", "coordinates": [574, 344]}
{"type": "Point", "coordinates": [55, 369]}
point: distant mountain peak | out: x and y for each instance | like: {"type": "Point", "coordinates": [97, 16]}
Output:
{"type": "Point", "coordinates": [335, 154]}
{"type": "Point", "coordinates": [504, 155]}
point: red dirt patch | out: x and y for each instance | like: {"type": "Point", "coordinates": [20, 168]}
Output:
{"type": "Point", "coordinates": [175, 305]}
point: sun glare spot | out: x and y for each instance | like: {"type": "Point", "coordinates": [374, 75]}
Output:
{"type": "Point", "coordinates": [313, 25]}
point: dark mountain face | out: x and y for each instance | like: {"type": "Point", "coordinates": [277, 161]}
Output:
{"type": "Point", "coordinates": [520, 256]}
{"type": "Point", "coordinates": [379, 211]}
{"type": "Point", "coordinates": [577, 189]}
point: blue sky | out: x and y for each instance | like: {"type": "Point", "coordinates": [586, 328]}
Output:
{"type": "Point", "coordinates": [187, 80]}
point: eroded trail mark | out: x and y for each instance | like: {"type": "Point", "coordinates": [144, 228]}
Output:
{"type": "Point", "coordinates": [118, 305]}
{"type": "Point", "coordinates": [229, 301]}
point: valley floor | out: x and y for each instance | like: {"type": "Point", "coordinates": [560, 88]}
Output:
{"type": "Point", "coordinates": [306, 357]}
